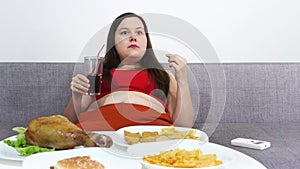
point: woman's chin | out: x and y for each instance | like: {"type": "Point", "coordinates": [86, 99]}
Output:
{"type": "Point", "coordinates": [134, 57]}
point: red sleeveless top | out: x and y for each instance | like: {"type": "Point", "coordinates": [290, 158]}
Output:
{"type": "Point", "coordinates": [130, 80]}
{"type": "Point", "coordinates": [116, 116]}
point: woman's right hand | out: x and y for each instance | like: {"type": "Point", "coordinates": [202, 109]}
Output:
{"type": "Point", "coordinates": [80, 84]}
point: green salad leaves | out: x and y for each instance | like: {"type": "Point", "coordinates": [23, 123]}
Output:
{"type": "Point", "coordinates": [22, 146]}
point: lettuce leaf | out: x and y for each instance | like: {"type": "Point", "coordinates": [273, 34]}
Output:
{"type": "Point", "coordinates": [22, 146]}
{"type": "Point", "coordinates": [29, 150]}
{"type": "Point", "coordinates": [20, 130]}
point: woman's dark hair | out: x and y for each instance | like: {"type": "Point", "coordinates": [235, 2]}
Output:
{"type": "Point", "coordinates": [148, 61]}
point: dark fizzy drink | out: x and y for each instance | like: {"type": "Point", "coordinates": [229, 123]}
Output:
{"type": "Point", "coordinates": [95, 84]}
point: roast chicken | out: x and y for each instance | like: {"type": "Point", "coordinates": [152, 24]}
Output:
{"type": "Point", "coordinates": [58, 132]}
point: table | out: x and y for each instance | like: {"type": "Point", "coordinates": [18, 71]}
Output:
{"type": "Point", "coordinates": [242, 161]}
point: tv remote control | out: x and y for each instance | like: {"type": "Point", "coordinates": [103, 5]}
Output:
{"type": "Point", "coordinates": [251, 143]}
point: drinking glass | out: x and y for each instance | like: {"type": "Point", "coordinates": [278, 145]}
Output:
{"type": "Point", "coordinates": [93, 70]}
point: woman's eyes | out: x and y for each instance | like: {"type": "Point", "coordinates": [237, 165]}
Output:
{"type": "Point", "coordinates": [124, 33]}
{"type": "Point", "coordinates": [140, 33]}
{"type": "Point", "coordinates": [127, 33]}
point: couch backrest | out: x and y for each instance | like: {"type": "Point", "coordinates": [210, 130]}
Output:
{"type": "Point", "coordinates": [262, 92]}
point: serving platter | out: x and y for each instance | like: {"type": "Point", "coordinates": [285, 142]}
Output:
{"type": "Point", "coordinates": [8, 152]}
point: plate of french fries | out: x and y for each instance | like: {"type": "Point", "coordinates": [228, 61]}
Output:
{"type": "Point", "coordinates": [185, 154]}
{"type": "Point", "coordinates": [157, 134]}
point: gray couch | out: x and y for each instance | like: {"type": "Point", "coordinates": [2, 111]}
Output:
{"type": "Point", "coordinates": [262, 101]}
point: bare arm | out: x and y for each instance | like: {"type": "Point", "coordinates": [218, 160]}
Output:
{"type": "Point", "coordinates": [79, 101]}
{"type": "Point", "coordinates": [179, 98]}
{"type": "Point", "coordinates": [70, 112]}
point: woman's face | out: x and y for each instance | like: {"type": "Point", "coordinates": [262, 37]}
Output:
{"type": "Point", "coordinates": [131, 40]}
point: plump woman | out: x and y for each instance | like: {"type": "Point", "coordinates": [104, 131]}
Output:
{"type": "Point", "coordinates": [135, 88]}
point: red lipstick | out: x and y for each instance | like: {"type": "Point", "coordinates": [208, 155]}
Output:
{"type": "Point", "coordinates": [133, 46]}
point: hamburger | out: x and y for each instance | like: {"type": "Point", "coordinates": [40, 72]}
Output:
{"type": "Point", "coordinates": [78, 162]}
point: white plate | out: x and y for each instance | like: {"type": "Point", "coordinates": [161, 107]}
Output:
{"type": "Point", "coordinates": [48, 159]}
{"type": "Point", "coordinates": [9, 153]}
{"type": "Point", "coordinates": [121, 141]}
{"type": "Point", "coordinates": [225, 156]}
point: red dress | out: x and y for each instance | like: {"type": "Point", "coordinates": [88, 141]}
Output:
{"type": "Point", "coordinates": [115, 116]}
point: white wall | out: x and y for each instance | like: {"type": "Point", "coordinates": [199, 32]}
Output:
{"type": "Point", "coordinates": [239, 30]}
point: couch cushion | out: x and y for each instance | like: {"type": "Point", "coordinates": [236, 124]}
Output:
{"type": "Point", "coordinates": [6, 130]}
{"type": "Point", "coordinates": [284, 152]}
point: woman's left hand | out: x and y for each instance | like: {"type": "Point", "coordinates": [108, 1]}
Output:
{"type": "Point", "coordinates": [179, 64]}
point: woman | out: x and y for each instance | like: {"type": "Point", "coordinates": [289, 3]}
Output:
{"type": "Point", "coordinates": [135, 88]}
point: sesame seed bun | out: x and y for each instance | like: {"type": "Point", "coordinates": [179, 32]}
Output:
{"type": "Point", "coordinates": [78, 162]}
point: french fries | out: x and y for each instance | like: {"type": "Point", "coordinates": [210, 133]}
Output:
{"type": "Point", "coordinates": [180, 158]}
{"type": "Point", "coordinates": [148, 136]}
{"type": "Point", "coordinates": [168, 133]}
{"type": "Point", "coordinates": [132, 138]}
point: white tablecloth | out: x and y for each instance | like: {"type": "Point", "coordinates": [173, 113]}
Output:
{"type": "Point", "coordinates": [241, 161]}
